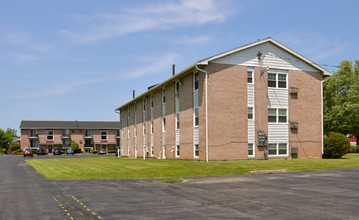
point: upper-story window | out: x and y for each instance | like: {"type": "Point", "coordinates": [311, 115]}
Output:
{"type": "Point", "coordinates": [250, 112]}
{"type": "Point", "coordinates": [164, 96]}
{"type": "Point", "coordinates": [277, 80]}
{"type": "Point", "coordinates": [196, 117]}
{"type": "Point", "coordinates": [103, 135]}
{"type": "Point", "coordinates": [50, 135]}
{"type": "Point", "coordinates": [88, 133]}
{"type": "Point", "coordinates": [277, 115]}
{"type": "Point", "coordinates": [249, 76]}
{"type": "Point", "coordinates": [177, 89]}
{"type": "Point", "coordinates": [65, 132]}
{"type": "Point", "coordinates": [177, 121]}
{"type": "Point", "coordinates": [118, 134]}
{"type": "Point", "coordinates": [33, 132]}
{"type": "Point", "coordinates": [196, 81]}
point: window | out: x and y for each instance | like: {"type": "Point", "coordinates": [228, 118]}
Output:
{"type": "Point", "coordinates": [272, 149]}
{"type": "Point", "coordinates": [282, 81]}
{"type": "Point", "coordinates": [250, 112]}
{"type": "Point", "coordinates": [281, 78]}
{"type": "Point", "coordinates": [272, 115]}
{"type": "Point", "coordinates": [282, 115]}
{"type": "Point", "coordinates": [88, 143]}
{"type": "Point", "coordinates": [196, 118]}
{"type": "Point", "coordinates": [272, 81]}
{"type": "Point", "coordinates": [196, 150]}
{"type": "Point", "coordinates": [33, 132]}
{"type": "Point", "coordinates": [164, 96]}
{"type": "Point", "coordinates": [66, 143]}
{"type": "Point", "coordinates": [49, 135]}
{"type": "Point", "coordinates": [177, 151]}
{"type": "Point", "coordinates": [177, 121]}
{"type": "Point", "coordinates": [103, 135]}
{"type": "Point", "coordinates": [282, 149]}
{"type": "Point", "coordinates": [118, 143]}
{"type": "Point", "coordinates": [65, 132]}
{"type": "Point", "coordinates": [196, 81]}
{"type": "Point", "coordinates": [151, 100]}
{"type": "Point", "coordinates": [118, 133]}
{"type": "Point", "coordinates": [249, 76]}
{"type": "Point", "coordinates": [250, 149]}
{"type": "Point", "coordinates": [151, 126]}
{"type": "Point", "coordinates": [277, 149]}
{"type": "Point", "coordinates": [164, 124]}
{"type": "Point", "coordinates": [88, 133]}
{"type": "Point", "coordinates": [33, 143]}
{"type": "Point", "coordinates": [177, 89]}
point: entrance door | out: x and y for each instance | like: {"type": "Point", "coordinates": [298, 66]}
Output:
{"type": "Point", "coordinates": [49, 149]}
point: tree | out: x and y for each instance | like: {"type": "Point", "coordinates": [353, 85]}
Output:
{"type": "Point", "coordinates": [341, 100]}
{"type": "Point", "coordinates": [6, 137]}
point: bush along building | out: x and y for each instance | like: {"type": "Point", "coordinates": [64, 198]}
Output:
{"type": "Point", "coordinates": [261, 100]}
{"type": "Point", "coordinates": [90, 135]}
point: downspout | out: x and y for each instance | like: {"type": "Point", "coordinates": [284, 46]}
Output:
{"type": "Point", "coordinates": [206, 92]}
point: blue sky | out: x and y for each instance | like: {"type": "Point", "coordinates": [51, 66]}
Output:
{"type": "Point", "coordinates": [79, 60]}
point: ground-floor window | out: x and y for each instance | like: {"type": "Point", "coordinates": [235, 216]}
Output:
{"type": "Point", "coordinates": [277, 149]}
{"type": "Point", "coordinates": [177, 151]}
{"type": "Point", "coordinates": [250, 149]}
{"type": "Point", "coordinates": [152, 150]}
{"type": "Point", "coordinates": [196, 150]}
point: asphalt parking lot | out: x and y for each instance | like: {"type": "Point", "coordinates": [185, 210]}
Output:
{"type": "Point", "coordinates": [303, 195]}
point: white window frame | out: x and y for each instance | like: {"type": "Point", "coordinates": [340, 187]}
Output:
{"type": "Point", "coordinates": [277, 149]}
{"type": "Point", "coordinates": [50, 135]}
{"type": "Point", "coordinates": [104, 135]}
{"type": "Point", "coordinates": [252, 113]}
{"type": "Point", "coordinates": [178, 150]}
{"type": "Point", "coordinates": [252, 76]}
{"type": "Point", "coordinates": [277, 73]}
{"type": "Point", "coordinates": [195, 116]}
{"type": "Point", "coordinates": [277, 116]}
{"type": "Point", "coordinates": [194, 151]}
{"type": "Point", "coordinates": [253, 149]}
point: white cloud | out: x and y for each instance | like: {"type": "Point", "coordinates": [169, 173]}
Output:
{"type": "Point", "coordinates": [23, 40]}
{"type": "Point", "coordinates": [185, 13]}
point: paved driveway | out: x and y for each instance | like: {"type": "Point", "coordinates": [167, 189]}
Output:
{"type": "Point", "coordinates": [302, 195]}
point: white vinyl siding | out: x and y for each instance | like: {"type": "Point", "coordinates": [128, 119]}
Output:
{"type": "Point", "coordinates": [278, 114]}
{"type": "Point", "coordinates": [251, 116]}
{"type": "Point", "coordinates": [274, 57]}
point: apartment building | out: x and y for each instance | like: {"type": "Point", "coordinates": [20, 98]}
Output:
{"type": "Point", "coordinates": [261, 100]}
{"type": "Point", "coordinates": [90, 135]}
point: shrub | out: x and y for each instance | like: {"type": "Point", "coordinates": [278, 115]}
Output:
{"type": "Point", "coordinates": [17, 152]}
{"type": "Point", "coordinates": [353, 149]}
{"type": "Point", "coordinates": [77, 151]}
{"type": "Point", "coordinates": [3, 151]}
{"type": "Point", "coordinates": [15, 146]}
{"type": "Point", "coordinates": [111, 151]}
{"type": "Point", "coordinates": [94, 151]}
{"type": "Point", "coordinates": [74, 145]}
{"type": "Point", "coordinates": [335, 145]}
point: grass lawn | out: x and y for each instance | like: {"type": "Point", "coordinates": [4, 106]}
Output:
{"type": "Point", "coordinates": [114, 168]}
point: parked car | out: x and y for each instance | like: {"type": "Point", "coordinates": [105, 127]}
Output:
{"type": "Point", "coordinates": [28, 152]}
{"type": "Point", "coordinates": [57, 151]}
{"type": "Point", "coordinates": [101, 151]}
{"type": "Point", "coordinates": [70, 151]}
{"type": "Point", "coordinates": [40, 151]}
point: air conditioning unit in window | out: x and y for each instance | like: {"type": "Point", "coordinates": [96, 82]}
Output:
{"type": "Point", "coordinates": [293, 90]}
{"type": "Point", "coordinates": [294, 125]}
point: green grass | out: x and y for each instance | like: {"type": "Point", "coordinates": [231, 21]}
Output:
{"type": "Point", "coordinates": [114, 168]}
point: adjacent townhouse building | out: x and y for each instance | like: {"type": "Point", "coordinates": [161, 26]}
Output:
{"type": "Point", "coordinates": [90, 135]}
{"type": "Point", "coordinates": [261, 100]}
